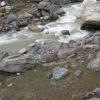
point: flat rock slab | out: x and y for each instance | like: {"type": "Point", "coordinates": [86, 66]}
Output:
{"type": "Point", "coordinates": [91, 17]}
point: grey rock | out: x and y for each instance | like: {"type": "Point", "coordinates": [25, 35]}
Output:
{"type": "Point", "coordinates": [65, 32]}
{"type": "Point", "coordinates": [90, 17]}
{"type": "Point", "coordinates": [91, 46]}
{"type": "Point", "coordinates": [16, 63]}
{"type": "Point", "coordinates": [96, 90]}
{"type": "Point", "coordinates": [25, 15]}
{"type": "Point", "coordinates": [11, 17]}
{"type": "Point", "coordinates": [24, 19]}
{"type": "Point", "coordinates": [94, 64]}
{"type": "Point", "coordinates": [64, 53]}
{"type": "Point", "coordinates": [3, 55]}
{"type": "Point", "coordinates": [22, 22]}
{"type": "Point", "coordinates": [97, 39]}
{"type": "Point", "coordinates": [78, 73]}
{"type": "Point", "coordinates": [44, 13]}
{"type": "Point", "coordinates": [43, 4]}
{"type": "Point", "coordinates": [59, 72]}
{"type": "Point", "coordinates": [43, 53]}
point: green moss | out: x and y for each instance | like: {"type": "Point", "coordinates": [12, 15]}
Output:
{"type": "Point", "coordinates": [18, 98]}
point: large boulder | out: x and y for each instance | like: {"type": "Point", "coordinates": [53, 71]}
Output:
{"type": "Point", "coordinates": [43, 53]}
{"type": "Point", "coordinates": [94, 64]}
{"type": "Point", "coordinates": [16, 63]}
{"type": "Point", "coordinates": [11, 17]}
{"type": "Point", "coordinates": [24, 19]}
{"type": "Point", "coordinates": [37, 54]}
{"type": "Point", "coordinates": [90, 18]}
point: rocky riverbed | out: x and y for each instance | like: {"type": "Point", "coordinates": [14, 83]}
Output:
{"type": "Point", "coordinates": [47, 51]}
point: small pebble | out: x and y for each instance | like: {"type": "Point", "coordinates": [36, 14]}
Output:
{"type": "Point", "coordinates": [9, 85]}
{"type": "Point", "coordinates": [78, 73]}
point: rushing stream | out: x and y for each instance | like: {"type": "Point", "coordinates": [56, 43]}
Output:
{"type": "Point", "coordinates": [11, 41]}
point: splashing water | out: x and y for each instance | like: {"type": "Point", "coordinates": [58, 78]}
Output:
{"type": "Point", "coordinates": [66, 22]}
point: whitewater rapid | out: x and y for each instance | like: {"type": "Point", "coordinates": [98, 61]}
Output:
{"type": "Point", "coordinates": [54, 29]}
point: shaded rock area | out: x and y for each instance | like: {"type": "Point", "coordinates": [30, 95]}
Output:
{"type": "Point", "coordinates": [90, 17]}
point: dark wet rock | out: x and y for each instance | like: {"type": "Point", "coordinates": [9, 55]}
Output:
{"type": "Point", "coordinates": [37, 13]}
{"type": "Point", "coordinates": [94, 64]}
{"type": "Point", "coordinates": [65, 32]}
{"type": "Point", "coordinates": [90, 18]}
{"type": "Point", "coordinates": [53, 17]}
{"type": "Point", "coordinates": [22, 23]}
{"type": "Point", "coordinates": [59, 72]}
{"type": "Point", "coordinates": [24, 19]}
{"type": "Point", "coordinates": [44, 13]}
{"type": "Point", "coordinates": [52, 10]}
{"type": "Point", "coordinates": [37, 1]}
{"type": "Point", "coordinates": [1, 98]}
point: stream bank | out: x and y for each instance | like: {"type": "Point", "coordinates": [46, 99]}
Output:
{"type": "Point", "coordinates": [77, 52]}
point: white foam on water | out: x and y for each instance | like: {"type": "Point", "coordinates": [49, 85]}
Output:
{"type": "Point", "coordinates": [66, 22]}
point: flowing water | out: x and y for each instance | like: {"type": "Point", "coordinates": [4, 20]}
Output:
{"type": "Point", "coordinates": [14, 41]}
